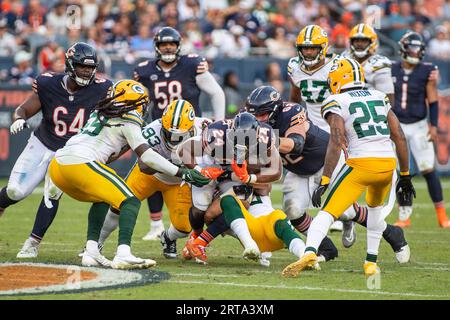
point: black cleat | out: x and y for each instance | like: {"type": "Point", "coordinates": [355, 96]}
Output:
{"type": "Point", "coordinates": [327, 249]}
{"type": "Point", "coordinates": [169, 246]}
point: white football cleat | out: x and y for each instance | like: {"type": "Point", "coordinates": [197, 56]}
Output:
{"type": "Point", "coordinates": [154, 233]}
{"type": "Point", "coordinates": [131, 262]}
{"type": "Point", "coordinates": [403, 255]}
{"type": "Point", "coordinates": [337, 226]}
{"type": "Point", "coordinates": [94, 259]}
{"type": "Point", "coordinates": [348, 234]}
{"type": "Point", "coordinates": [29, 250]}
{"type": "Point", "coordinates": [264, 260]}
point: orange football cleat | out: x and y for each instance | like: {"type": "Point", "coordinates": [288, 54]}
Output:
{"type": "Point", "coordinates": [403, 224]}
{"type": "Point", "coordinates": [444, 223]}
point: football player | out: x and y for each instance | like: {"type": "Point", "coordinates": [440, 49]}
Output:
{"type": "Point", "coordinates": [415, 95]}
{"type": "Point", "coordinates": [377, 73]}
{"type": "Point", "coordinates": [244, 152]}
{"type": "Point", "coordinates": [65, 100]}
{"type": "Point", "coordinates": [172, 76]}
{"type": "Point", "coordinates": [369, 166]}
{"type": "Point", "coordinates": [303, 147]}
{"type": "Point", "coordinates": [177, 124]}
{"type": "Point", "coordinates": [79, 169]}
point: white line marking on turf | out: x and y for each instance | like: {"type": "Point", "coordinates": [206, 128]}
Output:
{"type": "Point", "coordinates": [374, 292]}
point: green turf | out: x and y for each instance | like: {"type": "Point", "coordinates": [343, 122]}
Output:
{"type": "Point", "coordinates": [230, 277]}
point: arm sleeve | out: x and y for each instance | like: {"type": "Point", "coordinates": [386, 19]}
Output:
{"type": "Point", "coordinates": [208, 84]}
{"type": "Point", "coordinates": [133, 135]}
{"type": "Point", "coordinates": [383, 81]}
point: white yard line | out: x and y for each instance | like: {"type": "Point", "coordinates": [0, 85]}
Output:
{"type": "Point", "coordinates": [308, 288]}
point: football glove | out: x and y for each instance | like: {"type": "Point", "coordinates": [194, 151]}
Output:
{"type": "Point", "coordinates": [212, 172]}
{"type": "Point", "coordinates": [405, 189]}
{"type": "Point", "coordinates": [194, 177]}
{"type": "Point", "coordinates": [241, 171]}
{"type": "Point", "coordinates": [18, 126]}
{"type": "Point", "coordinates": [320, 190]}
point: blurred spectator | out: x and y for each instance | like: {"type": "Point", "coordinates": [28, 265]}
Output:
{"type": "Point", "coordinates": [419, 27]}
{"type": "Point", "coordinates": [22, 72]}
{"type": "Point", "coordinates": [14, 16]}
{"type": "Point", "coordinates": [274, 76]}
{"type": "Point", "coordinates": [341, 32]}
{"type": "Point", "coordinates": [439, 47]}
{"type": "Point", "coordinates": [51, 55]}
{"type": "Point", "coordinates": [305, 11]}
{"type": "Point", "coordinates": [188, 9]}
{"type": "Point", "coordinates": [56, 19]}
{"type": "Point", "coordinates": [419, 13]}
{"type": "Point", "coordinates": [446, 11]}
{"type": "Point", "coordinates": [238, 45]}
{"type": "Point", "coordinates": [193, 38]}
{"type": "Point", "coordinates": [400, 20]}
{"type": "Point", "coordinates": [8, 44]}
{"type": "Point", "coordinates": [279, 46]}
{"type": "Point", "coordinates": [89, 13]}
{"type": "Point", "coordinates": [34, 15]}
{"type": "Point", "coordinates": [141, 45]}
{"type": "Point", "coordinates": [233, 99]}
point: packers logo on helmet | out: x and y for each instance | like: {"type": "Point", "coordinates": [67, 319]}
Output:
{"type": "Point", "coordinates": [177, 122]}
{"type": "Point", "coordinates": [312, 36]}
{"type": "Point", "coordinates": [131, 90]}
{"type": "Point", "coordinates": [360, 49]}
{"type": "Point", "coordinates": [345, 74]}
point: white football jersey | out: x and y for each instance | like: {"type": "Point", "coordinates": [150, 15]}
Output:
{"type": "Point", "coordinates": [313, 87]}
{"type": "Point", "coordinates": [152, 132]}
{"type": "Point", "coordinates": [365, 115]}
{"type": "Point", "coordinates": [377, 71]}
{"type": "Point", "coordinates": [99, 142]}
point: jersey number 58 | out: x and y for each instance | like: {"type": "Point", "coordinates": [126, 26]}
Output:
{"type": "Point", "coordinates": [166, 92]}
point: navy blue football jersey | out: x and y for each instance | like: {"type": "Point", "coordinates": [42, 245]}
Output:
{"type": "Point", "coordinates": [313, 155]}
{"type": "Point", "coordinates": [64, 114]}
{"type": "Point", "coordinates": [177, 83]}
{"type": "Point", "coordinates": [410, 91]}
{"type": "Point", "coordinates": [215, 142]}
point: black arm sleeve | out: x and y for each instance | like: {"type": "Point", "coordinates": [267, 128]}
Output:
{"type": "Point", "coordinates": [299, 143]}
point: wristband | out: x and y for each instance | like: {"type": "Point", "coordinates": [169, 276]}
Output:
{"type": "Point", "coordinates": [325, 180]}
{"type": "Point", "coordinates": [404, 173]}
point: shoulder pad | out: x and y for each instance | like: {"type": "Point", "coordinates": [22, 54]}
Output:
{"type": "Point", "coordinates": [379, 62]}
{"type": "Point", "coordinates": [143, 63]}
{"type": "Point", "coordinates": [133, 117]}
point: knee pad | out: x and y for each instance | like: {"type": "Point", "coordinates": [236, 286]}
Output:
{"type": "Point", "coordinates": [15, 193]}
{"type": "Point", "coordinates": [292, 210]}
{"type": "Point", "coordinates": [132, 203]}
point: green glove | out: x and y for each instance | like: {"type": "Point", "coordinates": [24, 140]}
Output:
{"type": "Point", "coordinates": [194, 177]}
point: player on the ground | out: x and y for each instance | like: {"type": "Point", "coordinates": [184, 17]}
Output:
{"type": "Point", "coordinates": [377, 74]}
{"type": "Point", "coordinates": [362, 123]}
{"type": "Point", "coordinates": [172, 76]}
{"type": "Point", "coordinates": [245, 152]}
{"type": "Point", "coordinates": [415, 95]}
{"type": "Point", "coordinates": [79, 169]}
{"type": "Point", "coordinates": [65, 100]}
{"type": "Point", "coordinates": [303, 148]}
{"type": "Point", "coordinates": [177, 124]}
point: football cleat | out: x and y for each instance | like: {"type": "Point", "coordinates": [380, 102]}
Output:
{"type": "Point", "coordinates": [348, 234]}
{"type": "Point", "coordinates": [403, 255]}
{"type": "Point", "coordinates": [403, 224]}
{"type": "Point", "coordinates": [251, 254]}
{"type": "Point", "coordinates": [196, 251]}
{"type": "Point", "coordinates": [154, 234]}
{"type": "Point", "coordinates": [371, 268]}
{"type": "Point", "coordinates": [94, 259]}
{"type": "Point", "coordinates": [29, 250]}
{"type": "Point", "coordinates": [444, 224]}
{"type": "Point", "coordinates": [169, 246]}
{"type": "Point", "coordinates": [306, 262]}
{"type": "Point", "coordinates": [337, 226]}
{"type": "Point", "coordinates": [131, 262]}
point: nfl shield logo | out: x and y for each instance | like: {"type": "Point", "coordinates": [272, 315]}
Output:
{"type": "Point", "coordinates": [154, 77]}
{"type": "Point", "coordinates": [167, 74]}
{"type": "Point", "coordinates": [70, 98]}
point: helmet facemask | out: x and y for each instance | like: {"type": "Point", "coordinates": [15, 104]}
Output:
{"type": "Point", "coordinates": [358, 52]}
{"type": "Point", "coordinates": [307, 61]}
{"type": "Point", "coordinates": [174, 137]}
{"type": "Point", "coordinates": [167, 57]}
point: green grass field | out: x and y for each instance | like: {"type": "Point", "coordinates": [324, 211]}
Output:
{"type": "Point", "coordinates": [228, 276]}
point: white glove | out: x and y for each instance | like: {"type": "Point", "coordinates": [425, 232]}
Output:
{"type": "Point", "coordinates": [17, 126]}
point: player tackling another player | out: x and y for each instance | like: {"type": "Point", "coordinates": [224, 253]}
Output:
{"type": "Point", "coordinates": [361, 122]}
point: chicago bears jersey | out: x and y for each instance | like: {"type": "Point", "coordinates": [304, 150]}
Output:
{"type": "Point", "coordinates": [313, 155]}
{"type": "Point", "coordinates": [64, 113]}
{"type": "Point", "coordinates": [313, 87]}
{"type": "Point", "coordinates": [365, 115]}
{"type": "Point", "coordinates": [177, 83]}
{"type": "Point", "coordinates": [410, 91]}
{"type": "Point", "coordinates": [152, 133]}
{"type": "Point", "coordinates": [99, 142]}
